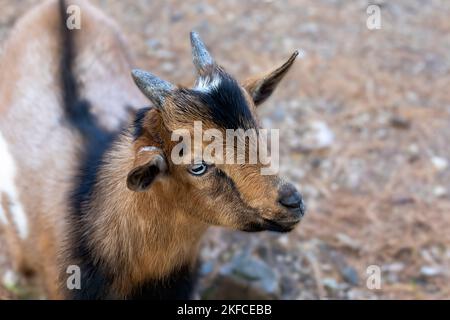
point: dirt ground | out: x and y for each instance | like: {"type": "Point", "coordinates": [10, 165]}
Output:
{"type": "Point", "coordinates": [364, 121]}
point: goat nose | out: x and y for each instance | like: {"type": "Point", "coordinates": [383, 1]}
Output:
{"type": "Point", "coordinates": [290, 198]}
{"type": "Point", "coordinates": [292, 201]}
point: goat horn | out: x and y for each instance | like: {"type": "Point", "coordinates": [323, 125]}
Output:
{"type": "Point", "coordinates": [201, 57]}
{"type": "Point", "coordinates": [153, 87]}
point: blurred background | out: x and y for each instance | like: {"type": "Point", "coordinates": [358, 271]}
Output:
{"type": "Point", "coordinates": [364, 119]}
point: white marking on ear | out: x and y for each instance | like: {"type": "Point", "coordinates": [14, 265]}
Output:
{"type": "Point", "coordinates": [149, 149]}
{"type": "Point", "coordinates": [158, 160]}
{"type": "Point", "coordinates": [7, 175]}
{"type": "Point", "coordinates": [206, 84]}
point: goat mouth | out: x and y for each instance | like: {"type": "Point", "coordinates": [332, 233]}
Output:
{"type": "Point", "coordinates": [281, 226]}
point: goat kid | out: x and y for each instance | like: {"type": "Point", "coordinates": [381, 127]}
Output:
{"type": "Point", "coordinates": [78, 190]}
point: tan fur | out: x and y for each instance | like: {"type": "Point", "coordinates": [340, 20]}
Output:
{"type": "Point", "coordinates": [139, 218]}
{"type": "Point", "coordinates": [31, 116]}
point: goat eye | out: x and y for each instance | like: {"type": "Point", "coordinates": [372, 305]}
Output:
{"type": "Point", "coordinates": [198, 169]}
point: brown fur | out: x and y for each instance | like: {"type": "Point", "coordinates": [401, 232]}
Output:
{"type": "Point", "coordinates": [45, 151]}
{"type": "Point", "coordinates": [139, 235]}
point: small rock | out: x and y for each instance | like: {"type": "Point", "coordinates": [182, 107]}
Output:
{"type": "Point", "coordinates": [324, 135]}
{"type": "Point", "coordinates": [402, 200]}
{"type": "Point", "coordinates": [153, 43]}
{"type": "Point", "coordinates": [430, 271]}
{"type": "Point", "coordinates": [358, 294]}
{"type": "Point", "coordinates": [393, 267]}
{"type": "Point", "coordinates": [10, 279]}
{"type": "Point", "coordinates": [439, 163]}
{"type": "Point", "coordinates": [412, 97]}
{"type": "Point", "coordinates": [348, 241]}
{"type": "Point", "coordinates": [206, 268]}
{"type": "Point", "coordinates": [167, 67]}
{"type": "Point", "coordinates": [413, 152]}
{"type": "Point", "coordinates": [315, 136]}
{"type": "Point", "coordinates": [439, 191]}
{"type": "Point", "coordinates": [245, 277]}
{"type": "Point", "coordinates": [413, 149]}
{"type": "Point", "coordinates": [400, 122]}
{"type": "Point", "coordinates": [176, 16]}
{"type": "Point", "coordinates": [350, 275]}
{"type": "Point", "coordinates": [330, 283]}
{"type": "Point", "coordinates": [283, 240]}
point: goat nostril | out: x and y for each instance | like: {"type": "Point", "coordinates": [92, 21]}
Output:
{"type": "Point", "coordinates": [290, 198]}
{"type": "Point", "coordinates": [294, 201]}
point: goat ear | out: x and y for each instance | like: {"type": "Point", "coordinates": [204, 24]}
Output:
{"type": "Point", "coordinates": [260, 88]}
{"type": "Point", "coordinates": [148, 165]}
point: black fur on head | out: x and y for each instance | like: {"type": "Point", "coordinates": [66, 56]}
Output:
{"type": "Point", "coordinates": [217, 98]}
